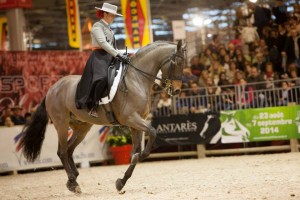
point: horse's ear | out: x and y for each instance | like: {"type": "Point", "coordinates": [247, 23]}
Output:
{"type": "Point", "coordinates": [184, 46]}
{"type": "Point", "coordinates": [179, 45]}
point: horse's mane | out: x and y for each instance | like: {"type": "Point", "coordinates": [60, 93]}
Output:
{"type": "Point", "coordinates": [150, 47]}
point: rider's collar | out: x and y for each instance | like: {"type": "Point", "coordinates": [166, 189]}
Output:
{"type": "Point", "coordinates": [104, 22]}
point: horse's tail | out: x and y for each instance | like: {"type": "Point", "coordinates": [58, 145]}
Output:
{"type": "Point", "coordinates": [34, 133]}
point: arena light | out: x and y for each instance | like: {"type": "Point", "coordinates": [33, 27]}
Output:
{"type": "Point", "coordinates": [198, 21]}
{"type": "Point", "coordinates": [253, 1]}
{"type": "Point", "coordinates": [207, 21]}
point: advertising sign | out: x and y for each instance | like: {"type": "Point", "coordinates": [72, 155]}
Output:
{"type": "Point", "coordinates": [73, 23]}
{"type": "Point", "coordinates": [186, 129]}
{"type": "Point", "coordinates": [137, 23]}
{"type": "Point", "coordinates": [263, 124]}
{"type": "Point", "coordinates": [6, 4]}
{"type": "Point", "coordinates": [92, 148]}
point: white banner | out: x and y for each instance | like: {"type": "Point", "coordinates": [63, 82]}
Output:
{"type": "Point", "coordinates": [92, 148]}
{"type": "Point", "coordinates": [178, 27]}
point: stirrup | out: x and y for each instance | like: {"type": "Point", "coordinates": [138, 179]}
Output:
{"type": "Point", "coordinates": [93, 112]}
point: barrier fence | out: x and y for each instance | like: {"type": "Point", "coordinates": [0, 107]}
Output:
{"type": "Point", "coordinates": [267, 110]}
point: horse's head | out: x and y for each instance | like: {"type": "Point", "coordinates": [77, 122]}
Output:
{"type": "Point", "coordinates": [172, 70]}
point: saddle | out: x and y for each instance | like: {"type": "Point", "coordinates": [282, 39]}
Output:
{"type": "Point", "coordinates": [113, 71]}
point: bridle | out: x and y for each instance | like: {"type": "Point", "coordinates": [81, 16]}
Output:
{"type": "Point", "coordinates": [166, 82]}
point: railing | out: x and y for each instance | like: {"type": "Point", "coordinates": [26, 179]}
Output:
{"type": "Point", "coordinates": [230, 97]}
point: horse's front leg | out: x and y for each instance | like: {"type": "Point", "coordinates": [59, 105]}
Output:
{"type": "Point", "coordinates": [136, 141]}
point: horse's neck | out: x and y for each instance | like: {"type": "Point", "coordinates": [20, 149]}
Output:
{"type": "Point", "coordinates": [150, 63]}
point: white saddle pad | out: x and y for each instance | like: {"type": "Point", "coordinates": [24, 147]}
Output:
{"type": "Point", "coordinates": [114, 87]}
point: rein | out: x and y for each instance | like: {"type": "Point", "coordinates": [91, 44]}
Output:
{"type": "Point", "coordinates": [165, 81]}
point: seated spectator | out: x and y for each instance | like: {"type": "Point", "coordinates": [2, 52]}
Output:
{"type": "Point", "coordinates": [244, 95]}
{"type": "Point", "coordinates": [17, 116]}
{"type": "Point", "coordinates": [8, 122]}
{"type": "Point", "coordinates": [223, 82]}
{"type": "Point", "coordinates": [240, 59]}
{"type": "Point", "coordinates": [188, 77]}
{"type": "Point", "coordinates": [197, 98]}
{"type": "Point", "coordinates": [238, 77]}
{"type": "Point", "coordinates": [196, 67]}
{"type": "Point", "coordinates": [270, 76]}
{"type": "Point", "coordinates": [237, 40]}
{"type": "Point", "coordinates": [257, 83]}
{"type": "Point", "coordinates": [227, 99]}
{"type": "Point", "coordinates": [7, 112]}
{"type": "Point", "coordinates": [183, 103]}
{"type": "Point", "coordinates": [216, 69]}
{"type": "Point", "coordinates": [231, 72]}
{"type": "Point", "coordinates": [164, 104]}
{"type": "Point", "coordinates": [283, 94]}
{"type": "Point", "coordinates": [203, 78]}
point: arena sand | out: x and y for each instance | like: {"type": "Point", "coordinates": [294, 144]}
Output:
{"type": "Point", "coordinates": [272, 176]}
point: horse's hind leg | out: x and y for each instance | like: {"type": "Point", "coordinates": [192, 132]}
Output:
{"type": "Point", "coordinates": [136, 141]}
{"type": "Point", "coordinates": [80, 129]}
{"type": "Point", "coordinates": [62, 152]}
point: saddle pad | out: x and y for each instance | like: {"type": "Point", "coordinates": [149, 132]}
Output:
{"type": "Point", "coordinates": [114, 87]}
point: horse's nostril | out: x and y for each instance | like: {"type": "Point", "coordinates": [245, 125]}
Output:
{"type": "Point", "coordinates": [177, 91]}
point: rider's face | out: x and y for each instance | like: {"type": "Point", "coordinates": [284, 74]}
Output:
{"type": "Point", "coordinates": [108, 17]}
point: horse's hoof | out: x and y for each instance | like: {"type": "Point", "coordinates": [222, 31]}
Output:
{"type": "Point", "coordinates": [73, 187]}
{"type": "Point", "coordinates": [135, 158]}
{"type": "Point", "coordinates": [119, 184]}
{"type": "Point", "coordinates": [77, 190]}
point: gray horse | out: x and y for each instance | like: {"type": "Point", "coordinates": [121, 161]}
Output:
{"type": "Point", "coordinates": [130, 108]}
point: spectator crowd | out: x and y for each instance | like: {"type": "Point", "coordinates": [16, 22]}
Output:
{"type": "Point", "coordinates": [264, 55]}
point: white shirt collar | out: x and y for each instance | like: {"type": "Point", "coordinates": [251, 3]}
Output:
{"type": "Point", "coordinates": [105, 22]}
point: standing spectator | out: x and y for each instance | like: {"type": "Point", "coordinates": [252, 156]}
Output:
{"type": "Point", "coordinates": [291, 48]}
{"type": "Point", "coordinates": [262, 17]}
{"type": "Point", "coordinates": [214, 45]}
{"type": "Point", "coordinates": [17, 116]}
{"type": "Point", "coordinates": [280, 12]}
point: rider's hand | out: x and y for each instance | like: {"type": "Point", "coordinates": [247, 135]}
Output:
{"type": "Point", "coordinates": [123, 58]}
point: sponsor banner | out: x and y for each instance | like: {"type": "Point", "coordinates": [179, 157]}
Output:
{"type": "Point", "coordinates": [92, 148]}
{"type": "Point", "coordinates": [137, 21]}
{"type": "Point", "coordinates": [178, 27]}
{"type": "Point", "coordinates": [263, 124]}
{"type": "Point", "coordinates": [25, 77]}
{"type": "Point", "coordinates": [186, 129]}
{"type": "Point", "coordinates": [3, 33]}
{"type": "Point", "coordinates": [73, 23]}
{"type": "Point", "coordinates": [15, 4]}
